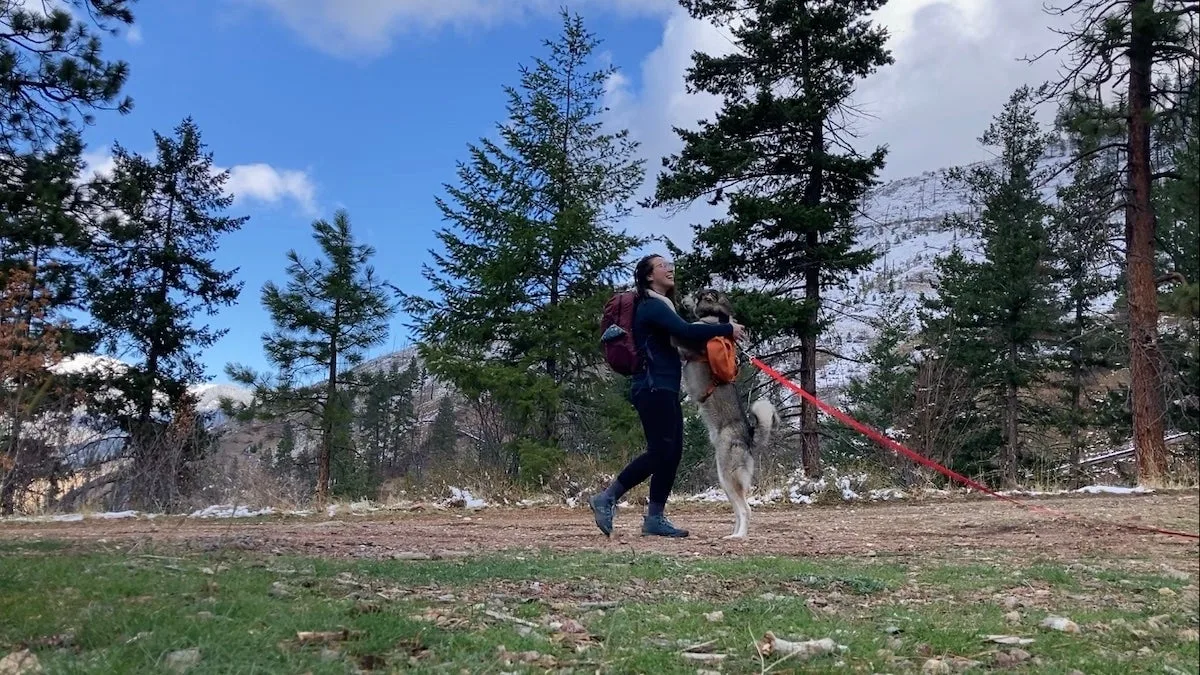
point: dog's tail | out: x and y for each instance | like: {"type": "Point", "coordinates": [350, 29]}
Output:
{"type": "Point", "coordinates": [763, 419]}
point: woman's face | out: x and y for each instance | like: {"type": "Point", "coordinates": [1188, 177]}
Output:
{"type": "Point", "coordinates": [662, 275]}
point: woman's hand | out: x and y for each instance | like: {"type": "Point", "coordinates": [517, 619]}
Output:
{"type": "Point", "coordinates": [739, 332]}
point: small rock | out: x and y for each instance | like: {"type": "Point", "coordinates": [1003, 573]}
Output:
{"type": "Point", "coordinates": [329, 655]}
{"type": "Point", "coordinates": [1011, 602]}
{"type": "Point", "coordinates": [410, 555]}
{"type": "Point", "coordinates": [1076, 672]}
{"type": "Point", "coordinates": [183, 660]}
{"type": "Point", "coordinates": [1189, 635]}
{"type": "Point", "coordinates": [1166, 592]}
{"type": "Point", "coordinates": [895, 643]}
{"type": "Point", "coordinates": [1013, 617]}
{"type": "Point", "coordinates": [207, 570]}
{"type": "Point", "coordinates": [20, 663]}
{"type": "Point", "coordinates": [715, 617]}
{"type": "Point", "coordinates": [1012, 657]}
{"type": "Point", "coordinates": [278, 590]}
{"type": "Point", "coordinates": [1060, 623]}
{"type": "Point", "coordinates": [935, 667]}
{"type": "Point", "coordinates": [891, 630]}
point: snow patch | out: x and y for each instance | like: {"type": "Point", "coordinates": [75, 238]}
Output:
{"type": "Point", "coordinates": [1114, 490]}
{"type": "Point", "coordinates": [230, 511]}
{"type": "Point", "coordinates": [463, 499]}
{"type": "Point", "coordinates": [115, 515]}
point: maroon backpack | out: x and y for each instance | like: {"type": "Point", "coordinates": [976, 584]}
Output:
{"type": "Point", "coordinates": [617, 333]}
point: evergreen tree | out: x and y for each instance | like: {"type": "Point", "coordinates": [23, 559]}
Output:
{"type": "Point", "coordinates": [532, 249]}
{"type": "Point", "coordinates": [778, 154]}
{"type": "Point", "coordinates": [1178, 206]}
{"type": "Point", "coordinates": [52, 73]}
{"type": "Point", "coordinates": [442, 436]}
{"type": "Point", "coordinates": [330, 311]}
{"type": "Point", "coordinates": [152, 272]}
{"type": "Point", "coordinates": [285, 460]}
{"type": "Point", "coordinates": [1122, 44]}
{"type": "Point", "coordinates": [1081, 232]}
{"type": "Point", "coordinates": [883, 396]}
{"type": "Point", "coordinates": [42, 217]}
{"type": "Point", "coordinates": [994, 314]}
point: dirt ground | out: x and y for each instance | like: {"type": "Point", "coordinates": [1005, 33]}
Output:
{"type": "Point", "coordinates": [937, 529]}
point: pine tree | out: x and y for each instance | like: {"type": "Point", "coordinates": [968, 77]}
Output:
{"type": "Point", "coordinates": [1122, 44]}
{"type": "Point", "coordinates": [442, 436]}
{"type": "Point", "coordinates": [532, 249]}
{"type": "Point", "coordinates": [152, 273]}
{"type": "Point", "coordinates": [1178, 208]}
{"type": "Point", "coordinates": [994, 314]}
{"type": "Point", "coordinates": [42, 217]}
{"type": "Point", "coordinates": [1081, 233]}
{"type": "Point", "coordinates": [778, 153]}
{"type": "Point", "coordinates": [330, 311]}
{"type": "Point", "coordinates": [285, 460]}
{"type": "Point", "coordinates": [52, 74]}
{"type": "Point", "coordinates": [883, 396]}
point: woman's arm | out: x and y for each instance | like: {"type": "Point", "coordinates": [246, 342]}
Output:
{"type": "Point", "coordinates": [660, 315]}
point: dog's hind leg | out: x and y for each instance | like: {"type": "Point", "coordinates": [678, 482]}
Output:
{"type": "Point", "coordinates": [736, 483]}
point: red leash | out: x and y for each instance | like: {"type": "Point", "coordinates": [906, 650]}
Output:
{"type": "Point", "coordinates": [925, 461]}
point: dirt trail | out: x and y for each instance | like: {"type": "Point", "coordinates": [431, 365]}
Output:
{"type": "Point", "coordinates": [934, 528]}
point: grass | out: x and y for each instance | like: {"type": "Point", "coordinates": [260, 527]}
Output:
{"type": "Point", "coordinates": [101, 610]}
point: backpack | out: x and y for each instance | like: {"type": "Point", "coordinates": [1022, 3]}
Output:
{"type": "Point", "coordinates": [616, 337]}
{"type": "Point", "coordinates": [721, 354]}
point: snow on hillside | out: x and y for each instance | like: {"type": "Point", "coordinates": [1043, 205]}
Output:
{"type": "Point", "coordinates": [907, 222]}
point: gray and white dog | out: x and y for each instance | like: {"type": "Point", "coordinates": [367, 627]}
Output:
{"type": "Point", "coordinates": [735, 436]}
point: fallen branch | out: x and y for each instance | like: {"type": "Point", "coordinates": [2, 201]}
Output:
{"type": "Point", "coordinates": [509, 617]}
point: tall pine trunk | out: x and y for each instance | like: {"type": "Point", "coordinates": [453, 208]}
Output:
{"type": "Point", "coordinates": [323, 462]}
{"type": "Point", "coordinates": [1075, 389]}
{"type": "Point", "coordinates": [810, 439]}
{"type": "Point", "coordinates": [1008, 460]}
{"type": "Point", "coordinates": [1144, 355]}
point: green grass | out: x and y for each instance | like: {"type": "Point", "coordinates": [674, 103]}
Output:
{"type": "Point", "coordinates": [103, 611]}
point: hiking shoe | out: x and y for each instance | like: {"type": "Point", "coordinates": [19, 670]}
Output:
{"type": "Point", "coordinates": [660, 526]}
{"type": "Point", "coordinates": [602, 509]}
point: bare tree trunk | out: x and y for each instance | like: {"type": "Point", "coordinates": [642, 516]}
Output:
{"type": "Point", "coordinates": [1076, 390]}
{"type": "Point", "coordinates": [1008, 458]}
{"type": "Point", "coordinates": [810, 449]}
{"type": "Point", "coordinates": [323, 462]}
{"type": "Point", "coordinates": [1145, 358]}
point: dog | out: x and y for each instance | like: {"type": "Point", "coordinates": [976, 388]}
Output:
{"type": "Point", "coordinates": [735, 436]}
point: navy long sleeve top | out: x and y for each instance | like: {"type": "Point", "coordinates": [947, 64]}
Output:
{"type": "Point", "coordinates": [654, 324]}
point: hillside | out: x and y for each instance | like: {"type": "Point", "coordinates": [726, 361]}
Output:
{"type": "Point", "coordinates": [904, 221]}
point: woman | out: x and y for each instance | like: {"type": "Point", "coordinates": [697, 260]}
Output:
{"type": "Point", "coordinates": [655, 394]}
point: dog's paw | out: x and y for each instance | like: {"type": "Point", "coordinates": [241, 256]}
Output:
{"type": "Point", "coordinates": [735, 537]}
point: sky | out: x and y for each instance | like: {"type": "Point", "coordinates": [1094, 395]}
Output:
{"type": "Point", "coordinates": [316, 105]}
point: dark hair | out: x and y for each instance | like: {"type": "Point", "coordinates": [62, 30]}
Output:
{"type": "Point", "coordinates": [641, 276]}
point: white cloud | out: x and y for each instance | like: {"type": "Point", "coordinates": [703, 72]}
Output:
{"type": "Point", "coordinates": [134, 35]}
{"type": "Point", "coordinates": [366, 28]}
{"type": "Point", "coordinates": [956, 63]}
{"type": "Point", "coordinates": [264, 183]}
{"type": "Point", "coordinates": [97, 164]}
{"type": "Point", "coordinates": [258, 182]}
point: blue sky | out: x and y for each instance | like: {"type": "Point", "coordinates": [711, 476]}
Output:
{"type": "Point", "coordinates": [367, 104]}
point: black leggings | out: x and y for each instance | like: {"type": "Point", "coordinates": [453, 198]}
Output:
{"type": "Point", "coordinates": [662, 422]}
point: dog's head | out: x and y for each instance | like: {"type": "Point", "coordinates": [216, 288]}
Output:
{"type": "Point", "coordinates": [710, 302]}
